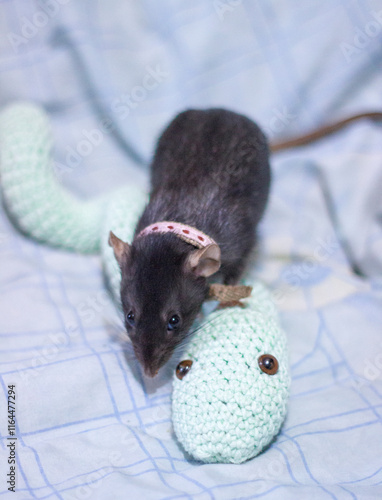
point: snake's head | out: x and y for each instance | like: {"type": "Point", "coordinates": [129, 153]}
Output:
{"type": "Point", "coordinates": [231, 389]}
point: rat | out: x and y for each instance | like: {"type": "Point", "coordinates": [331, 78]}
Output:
{"type": "Point", "coordinates": [210, 175]}
{"type": "Point", "coordinates": [210, 171]}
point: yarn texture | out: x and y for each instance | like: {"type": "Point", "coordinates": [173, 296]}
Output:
{"type": "Point", "coordinates": [43, 209]}
{"type": "Point", "coordinates": [225, 409]}
{"type": "Point", "coordinates": [32, 193]}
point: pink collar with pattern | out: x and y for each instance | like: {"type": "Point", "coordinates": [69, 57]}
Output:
{"type": "Point", "coordinates": [184, 232]}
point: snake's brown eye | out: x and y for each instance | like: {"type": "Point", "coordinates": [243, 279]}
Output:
{"type": "Point", "coordinates": [268, 364]}
{"type": "Point", "coordinates": [183, 368]}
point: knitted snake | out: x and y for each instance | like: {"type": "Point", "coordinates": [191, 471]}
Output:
{"type": "Point", "coordinates": [230, 393]}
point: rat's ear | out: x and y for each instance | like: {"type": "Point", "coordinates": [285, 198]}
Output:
{"type": "Point", "coordinates": [205, 261]}
{"type": "Point", "coordinates": [121, 249]}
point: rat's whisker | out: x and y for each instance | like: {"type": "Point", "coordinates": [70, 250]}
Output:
{"type": "Point", "coordinates": [205, 324]}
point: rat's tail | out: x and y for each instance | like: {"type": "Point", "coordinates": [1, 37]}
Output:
{"type": "Point", "coordinates": [39, 205]}
{"type": "Point", "coordinates": [324, 131]}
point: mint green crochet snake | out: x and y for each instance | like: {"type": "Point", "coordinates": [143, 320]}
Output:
{"type": "Point", "coordinates": [227, 407]}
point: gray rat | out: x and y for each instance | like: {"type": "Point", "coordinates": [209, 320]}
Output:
{"type": "Point", "coordinates": [211, 171]}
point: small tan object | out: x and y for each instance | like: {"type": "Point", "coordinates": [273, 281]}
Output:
{"type": "Point", "coordinates": [231, 303]}
{"type": "Point", "coordinates": [229, 293]}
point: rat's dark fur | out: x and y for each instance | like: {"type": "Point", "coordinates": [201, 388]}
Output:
{"type": "Point", "coordinates": [211, 171]}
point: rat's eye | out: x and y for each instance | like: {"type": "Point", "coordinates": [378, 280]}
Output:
{"type": "Point", "coordinates": [268, 364]}
{"type": "Point", "coordinates": [173, 323]}
{"type": "Point", "coordinates": [130, 318]}
{"type": "Point", "coordinates": [183, 368]}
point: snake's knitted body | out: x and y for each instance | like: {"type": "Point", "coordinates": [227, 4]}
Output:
{"type": "Point", "coordinates": [42, 208]}
{"type": "Point", "coordinates": [31, 191]}
{"type": "Point", "coordinates": [226, 409]}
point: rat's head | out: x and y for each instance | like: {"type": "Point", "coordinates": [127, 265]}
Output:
{"type": "Point", "coordinates": [163, 287]}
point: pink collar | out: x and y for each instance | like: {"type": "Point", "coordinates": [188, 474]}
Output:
{"type": "Point", "coordinates": [184, 232]}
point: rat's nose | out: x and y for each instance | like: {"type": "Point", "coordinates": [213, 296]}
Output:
{"type": "Point", "coordinates": [151, 371]}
